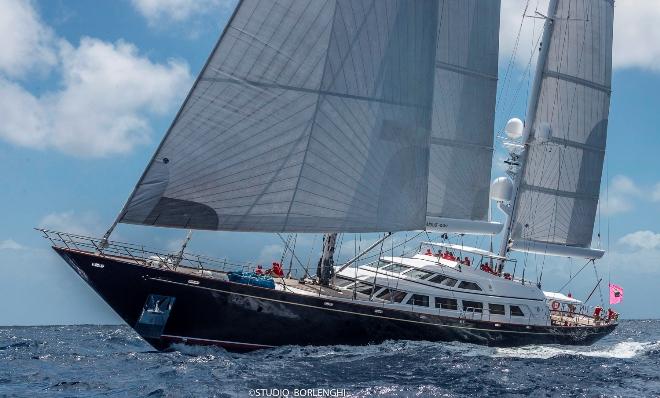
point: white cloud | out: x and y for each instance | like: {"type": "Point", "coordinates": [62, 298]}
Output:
{"type": "Point", "coordinates": [86, 224]}
{"type": "Point", "coordinates": [10, 244]}
{"type": "Point", "coordinates": [635, 26]}
{"type": "Point", "coordinates": [106, 96]}
{"type": "Point", "coordinates": [641, 240]}
{"type": "Point", "coordinates": [511, 15]}
{"type": "Point", "coordinates": [157, 11]}
{"type": "Point", "coordinates": [655, 193]}
{"type": "Point", "coordinates": [26, 42]}
{"type": "Point", "coordinates": [622, 195]}
{"type": "Point", "coordinates": [270, 253]}
{"type": "Point", "coordinates": [636, 30]}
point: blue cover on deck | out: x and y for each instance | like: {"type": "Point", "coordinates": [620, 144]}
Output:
{"type": "Point", "coordinates": [250, 278]}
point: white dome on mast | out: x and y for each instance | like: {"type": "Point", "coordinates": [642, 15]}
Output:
{"type": "Point", "coordinates": [514, 128]}
{"type": "Point", "coordinates": [501, 190]}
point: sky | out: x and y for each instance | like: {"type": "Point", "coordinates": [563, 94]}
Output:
{"type": "Point", "coordinates": [87, 90]}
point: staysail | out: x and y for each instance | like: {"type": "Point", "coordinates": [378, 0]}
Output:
{"type": "Point", "coordinates": [461, 145]}
{"type": "Point", "coordinates": [309, 116]}
{"type": "Point", "coordinates": [557, 197]}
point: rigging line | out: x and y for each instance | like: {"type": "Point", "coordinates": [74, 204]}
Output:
{"type": "Point", "coordinates": [405, 238]}
{"type": "Point", "coordinates": [519, 86]}
{"type": "Point", "coordinates": [286, 248]}
{"type": "Point", "coordinates": [511, 58]}
{"type": "Point", "coordinates": [600, 289]}
{"type": "Point", "coordinates": [398, 245]}
{"type": "Point", "coordinates": [373, 285]}
{"type": "Point", "coordinates": [305, 268]}
{"type": "Point", "coordinates": [309, 258]}
{"type": "Point", "coordinates": [576, 274]}
{"type": "Point", "coordinates": [341, 242]}
{"type": "Point", "coordinates": [293, 250]}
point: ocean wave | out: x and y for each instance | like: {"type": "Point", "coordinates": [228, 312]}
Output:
{"type": "Point", "coordinates": [621, 350]}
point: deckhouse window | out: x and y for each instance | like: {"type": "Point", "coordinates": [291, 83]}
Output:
{"type": "Point", "coordinates": [472, 306]}
{"type": "Point", "coordinates": [364, 288]}
{"type": "Point", "coordinates": [516, 311]}
{"type": "Point", "coordinates": [443, 280]}
{"type": "Point", "coordinates": [419, 299]}
{"type": "Point", "coordinates": [496, 309]}
{"type": "Point", "coordinates": [396, 268]}
{"type": "Point", "coordinates": [468, 285]}
{"type": "Point", "coordinates": [446, 303]}
{"type": "Point", "coordinates": [418, 274]}
{"type": "Point", "coordinates": [342, 282]}
{"type": "Point", "coordinates": [395, 296]}
{"type": "Point", "coordinates": [450, 282]}
{"type": "Point", "coordinates": [437, 278]}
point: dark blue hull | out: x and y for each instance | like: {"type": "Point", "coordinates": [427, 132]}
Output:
{"type": "Point", "coordinates": [165, 306]}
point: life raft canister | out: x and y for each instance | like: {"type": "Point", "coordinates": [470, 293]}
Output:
{"type": "Point", "coordinates": [555, 305]}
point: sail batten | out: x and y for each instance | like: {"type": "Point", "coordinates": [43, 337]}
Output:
{"type": "Point", "coordinates": [560, 180]}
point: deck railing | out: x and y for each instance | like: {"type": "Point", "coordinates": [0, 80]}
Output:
{"type": "Point", "coordinates": [141, 254]}
{"type": "Point", "coordinates": [583, 315]}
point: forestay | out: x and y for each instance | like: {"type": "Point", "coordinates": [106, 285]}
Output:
{"type": "Point", "coordinates": [465, 87]}
{"type": "Point", "coordinates": [309, 116]}
{"type": "Point", "coordinates": [559, 188]}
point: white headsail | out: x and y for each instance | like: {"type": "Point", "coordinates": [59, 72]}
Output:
{"type": "Point", "coordinates": [310, 116]}
{"type": "Point", "coordinates": [560, 178]}
{"type": "Point", "coordinates": [461, 147]}
{"type": "Point", "coordinates": [316, 116]}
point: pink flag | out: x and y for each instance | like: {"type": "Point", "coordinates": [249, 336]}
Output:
{"type": "Point", "coordinates": [616, 294]}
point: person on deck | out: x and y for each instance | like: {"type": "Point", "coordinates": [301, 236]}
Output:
{"type": "Point", "coordinates": [466, 261]}
{"type": "Point", "coordinates": [259, 270]}
{"type": "Point", "coordinates": [597, 312]}
{"type": "Point", "coordinates": [611, 315]}
{"type": "Point", "coordinates": [277, 270]}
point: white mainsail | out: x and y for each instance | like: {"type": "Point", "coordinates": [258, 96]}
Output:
{"type": "Point", "coordinates": [557, 197]}
{"type": "Point", "coordinates": [316, 116]}
{"type": "Point", "coordinates": [461, 146]}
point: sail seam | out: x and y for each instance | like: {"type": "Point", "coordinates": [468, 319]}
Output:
{"type": "Point", "coordinates": [464, 71]}
{"type": "Point", "coordinates": [574, 79]}
{"type": "Point", "coordinates": [556, 192]}
{"type": "Point", "coordinates": [459, 144]}
{"type": "Point", "coordinates": [574, 144]}
{"type": "Point", "coordinates": [308, 91]}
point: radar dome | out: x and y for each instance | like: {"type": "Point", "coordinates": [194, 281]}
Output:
{"type": "Point", "coordinates": [514, 128]}
{"type": "Point", "coordinates": [501, 189]}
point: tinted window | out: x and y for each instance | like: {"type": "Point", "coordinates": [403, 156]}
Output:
{"type": "Point", "coordinates": [472, 306]}
{"type": "Point", "coordinates": [468, 285]}
{"type": "Point", "coordinates": [395, 296]}
{"type": "Point", "coordinates": [437, 278]}
{"type": "Point", "coordinates": [342, 282]}
{"type": "Point", "coordinates": [516, 311]}
{"type": "Point", "coordinates": [449, 282]}
{"type": "Point", "coordinates": [418, 273]}
{"type": "Point", "coordinates": [496, 309]}
{"type": "Point", "coordinates": [398, 268]}
{"type": "Point", "coordinates": [364, 288]}
{"type": "Point", "coordinates": [418, 299]}
{"type": "Point", "coordinates": [445, 303]}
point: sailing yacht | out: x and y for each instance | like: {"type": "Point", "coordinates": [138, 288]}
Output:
{"type": "Point", "coordinates": [362, 116]}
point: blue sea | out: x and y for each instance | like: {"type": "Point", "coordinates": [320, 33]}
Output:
{"type": "Point", "coordinates": [85, 361]}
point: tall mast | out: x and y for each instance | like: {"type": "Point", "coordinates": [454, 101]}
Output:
{"type": "Point", "coordinates": [531, 112]}
{"type": "Point", "coordinates": [325, 269]}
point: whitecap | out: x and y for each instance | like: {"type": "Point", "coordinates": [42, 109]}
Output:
{"type": "Point", "coordinates": [622, 350]}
